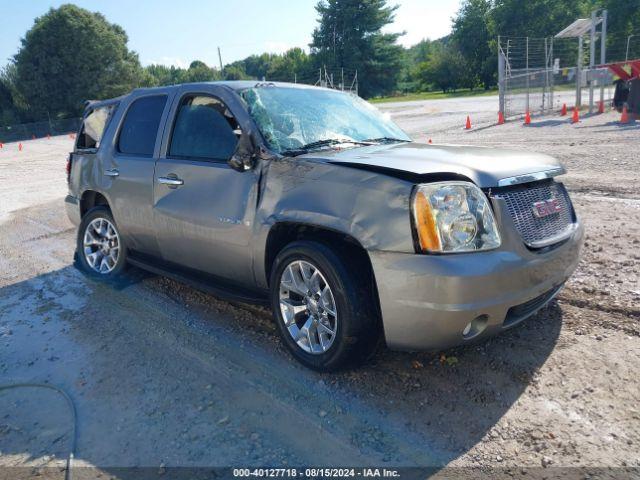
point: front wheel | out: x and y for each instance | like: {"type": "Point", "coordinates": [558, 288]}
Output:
{"type": "Point", "coordinates": [100, 249]}
{"type": "Point", "coordinates": [325, 314]}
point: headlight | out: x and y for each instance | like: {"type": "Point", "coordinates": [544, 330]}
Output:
{"type": "Point", "coordinates": [454, 217]}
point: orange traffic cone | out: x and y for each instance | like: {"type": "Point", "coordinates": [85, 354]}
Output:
{"type": "Point", "coordinates": [527, 118]}
{"type": "Point", "coordinates": [430, 141]}
{"type": "Point", "coordinates": [601, 107]}
{"type": "Point", "coordinates": [625, 115]}
{"type": "Point", "coordinates": [468, 124]}
{"type": "Point", "coordinates": [1, 145]}
{"type": "Point", "coordinates": [576, 115]}
{"type": "Point", "coordinates": [20, 147]}
{"type": "Point", "coordinates": [500, 118]}
{"type": "Point", "coordinates": [563, 112]}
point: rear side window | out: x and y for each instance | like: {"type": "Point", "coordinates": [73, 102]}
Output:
{"type": "Point", "coordinates": [140, 126]}
{"type": "Point", "coordinates": [204, 128]}
{"type": "Point", "coordinates": [93, 127]}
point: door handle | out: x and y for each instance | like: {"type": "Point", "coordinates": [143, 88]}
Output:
{"type": "Point", "coordinates": [112, 172]}
{"type": "Point", "coordinates": [171, 180]}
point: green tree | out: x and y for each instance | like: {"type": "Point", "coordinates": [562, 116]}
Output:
{"type": "Point", "coordinates": [413, 62]}
{"type": "Point", "coordinates": [445, 69]}
{"type": "Point", "coordinates": [163, 75]}
{"type": "Point", "coordinates": [71, 55]}
{"type": "Point", "coordinates": [537, 18]}
{"type": "Point", "coordinates": [471, 32]}
{"type": "Point", "coordinates": [257, 66]}
{"type": "Point", "coordinates": [293, 64]}
{"type": "Point", "coordinates": [349, 35]}
{"type": "Point", "coordinates": [200, 72]}
{"type": "Point", "coordinates": [623, 20]}
{"type": "Point", "coordinates": [234, 72]}
{"type": "Point", "coordinates": [12, 107]}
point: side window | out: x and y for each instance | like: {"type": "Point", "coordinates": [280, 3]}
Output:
{"type": "Point", "coordinates": [93, 127]}
{"type": "Point", "coordinates": [204, 128]}
{"type": "Point", "coordinates": [140, 126]}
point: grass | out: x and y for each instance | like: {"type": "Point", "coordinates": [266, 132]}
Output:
{"type": "Point", "coordinates": [434, 95]}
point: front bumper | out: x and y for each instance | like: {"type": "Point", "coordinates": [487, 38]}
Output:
{"type": "Point", "coordinates": [428, 301]}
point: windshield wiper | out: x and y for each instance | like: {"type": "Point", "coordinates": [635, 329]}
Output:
{"type": "Point", "coordinates": [319, 144]}
{"type": "Point", "coordinates": [384, 140]}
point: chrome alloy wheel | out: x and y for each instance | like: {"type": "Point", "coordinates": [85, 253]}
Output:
{"type": "Point", "coordinates": [101, 245]}
{"type": "Point", "coordinates": [308, 307]}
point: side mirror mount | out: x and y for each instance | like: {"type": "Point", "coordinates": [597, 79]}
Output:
{"type": "Point", "coordinates": [243, 157]}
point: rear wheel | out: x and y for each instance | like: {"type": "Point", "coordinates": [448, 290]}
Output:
{"type": "Point", "coordinates": [100, 248]}
{"type": "Point", "coordinates": [325, 314]}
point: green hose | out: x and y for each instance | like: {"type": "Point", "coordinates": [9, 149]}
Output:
{"type": "Point", "coordinates": [72, 409]}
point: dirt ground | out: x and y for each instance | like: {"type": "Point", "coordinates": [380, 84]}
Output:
{"type": "Point", "coordinates": [163, 375]}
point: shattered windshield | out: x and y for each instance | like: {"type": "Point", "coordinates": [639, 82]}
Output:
{"type": "Point", "coordinates": [291, 119]}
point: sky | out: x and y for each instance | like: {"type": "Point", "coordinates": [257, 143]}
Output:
{"type": "Point", "coordinates": [173, 32]}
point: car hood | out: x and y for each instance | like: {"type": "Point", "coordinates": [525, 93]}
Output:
{"type": "Point", "coordinates": [486, 167]}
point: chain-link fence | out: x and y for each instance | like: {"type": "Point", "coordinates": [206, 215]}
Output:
{"type": "Point", "coordinates": [540, 74]}
{"type": "Point", "coordinates": [25, 131]}
{"type": "Point", "coordinates": [345, 79]}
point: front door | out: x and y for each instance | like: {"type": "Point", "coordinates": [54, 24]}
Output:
{"type": "Point", "coordinates": [203, 209]}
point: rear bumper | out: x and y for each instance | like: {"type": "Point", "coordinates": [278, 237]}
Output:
{"type": "Point", "coordinates": [72, 207]}
{"type": "Point", "coordinates": [428, 301]}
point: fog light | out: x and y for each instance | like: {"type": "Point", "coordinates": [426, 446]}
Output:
{"type": "Point", "coordinates": [475, 327]}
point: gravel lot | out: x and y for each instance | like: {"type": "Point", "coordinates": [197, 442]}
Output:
{"type": "Point", "coordinates": [163, 375]}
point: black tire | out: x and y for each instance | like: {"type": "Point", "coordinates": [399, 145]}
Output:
{"type": "Point", "coordinates": [357, 330]}
{"type": "Point", "coordinates": [100, 212]}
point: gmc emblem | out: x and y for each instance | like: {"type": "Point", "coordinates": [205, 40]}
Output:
{"type": "Point", "coordinates": [546, 207]}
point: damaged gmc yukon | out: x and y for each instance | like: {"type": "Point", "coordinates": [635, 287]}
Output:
{"type": "Point", "coordinates": [310, 200]}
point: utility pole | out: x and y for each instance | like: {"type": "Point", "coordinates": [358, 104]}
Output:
{"type": "Point", "coordinates": [220, 59]}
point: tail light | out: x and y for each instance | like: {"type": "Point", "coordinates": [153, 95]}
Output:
{"type": "Point", "coordinates": [69, 161]}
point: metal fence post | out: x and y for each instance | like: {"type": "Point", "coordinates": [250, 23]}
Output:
{"type": "Point", "coordinates": [592, 59]}
{"type": "Point", "coordinates": [552, 82]}
{"type": "Point", "coordinates": [501, 92]}
{"type": "Point", "coordinates": [603, 49]}
{"type": "Point", "coordinates": [545, 87]}
{"type": "Point", "coordinates": [527, 70]}
{"type": "Point", "coordinates": [579, 74]}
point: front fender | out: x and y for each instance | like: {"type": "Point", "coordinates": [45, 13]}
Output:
{"type": "Point", "coordinates": [372, 208]}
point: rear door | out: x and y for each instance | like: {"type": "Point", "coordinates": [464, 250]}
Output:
{"type": "Point", "coordinates": [128, 173]}
{"type": "Point", "coordinates": [204, 210]}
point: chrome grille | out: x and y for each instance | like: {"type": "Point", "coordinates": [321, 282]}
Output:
{"type": "Point", "coordinates": [533, 230]}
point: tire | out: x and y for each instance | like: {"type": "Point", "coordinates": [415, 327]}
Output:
{"type": "Point", "coordinates": [115, 261]}
{"type": "Point", "coordinates": [355, 320]}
